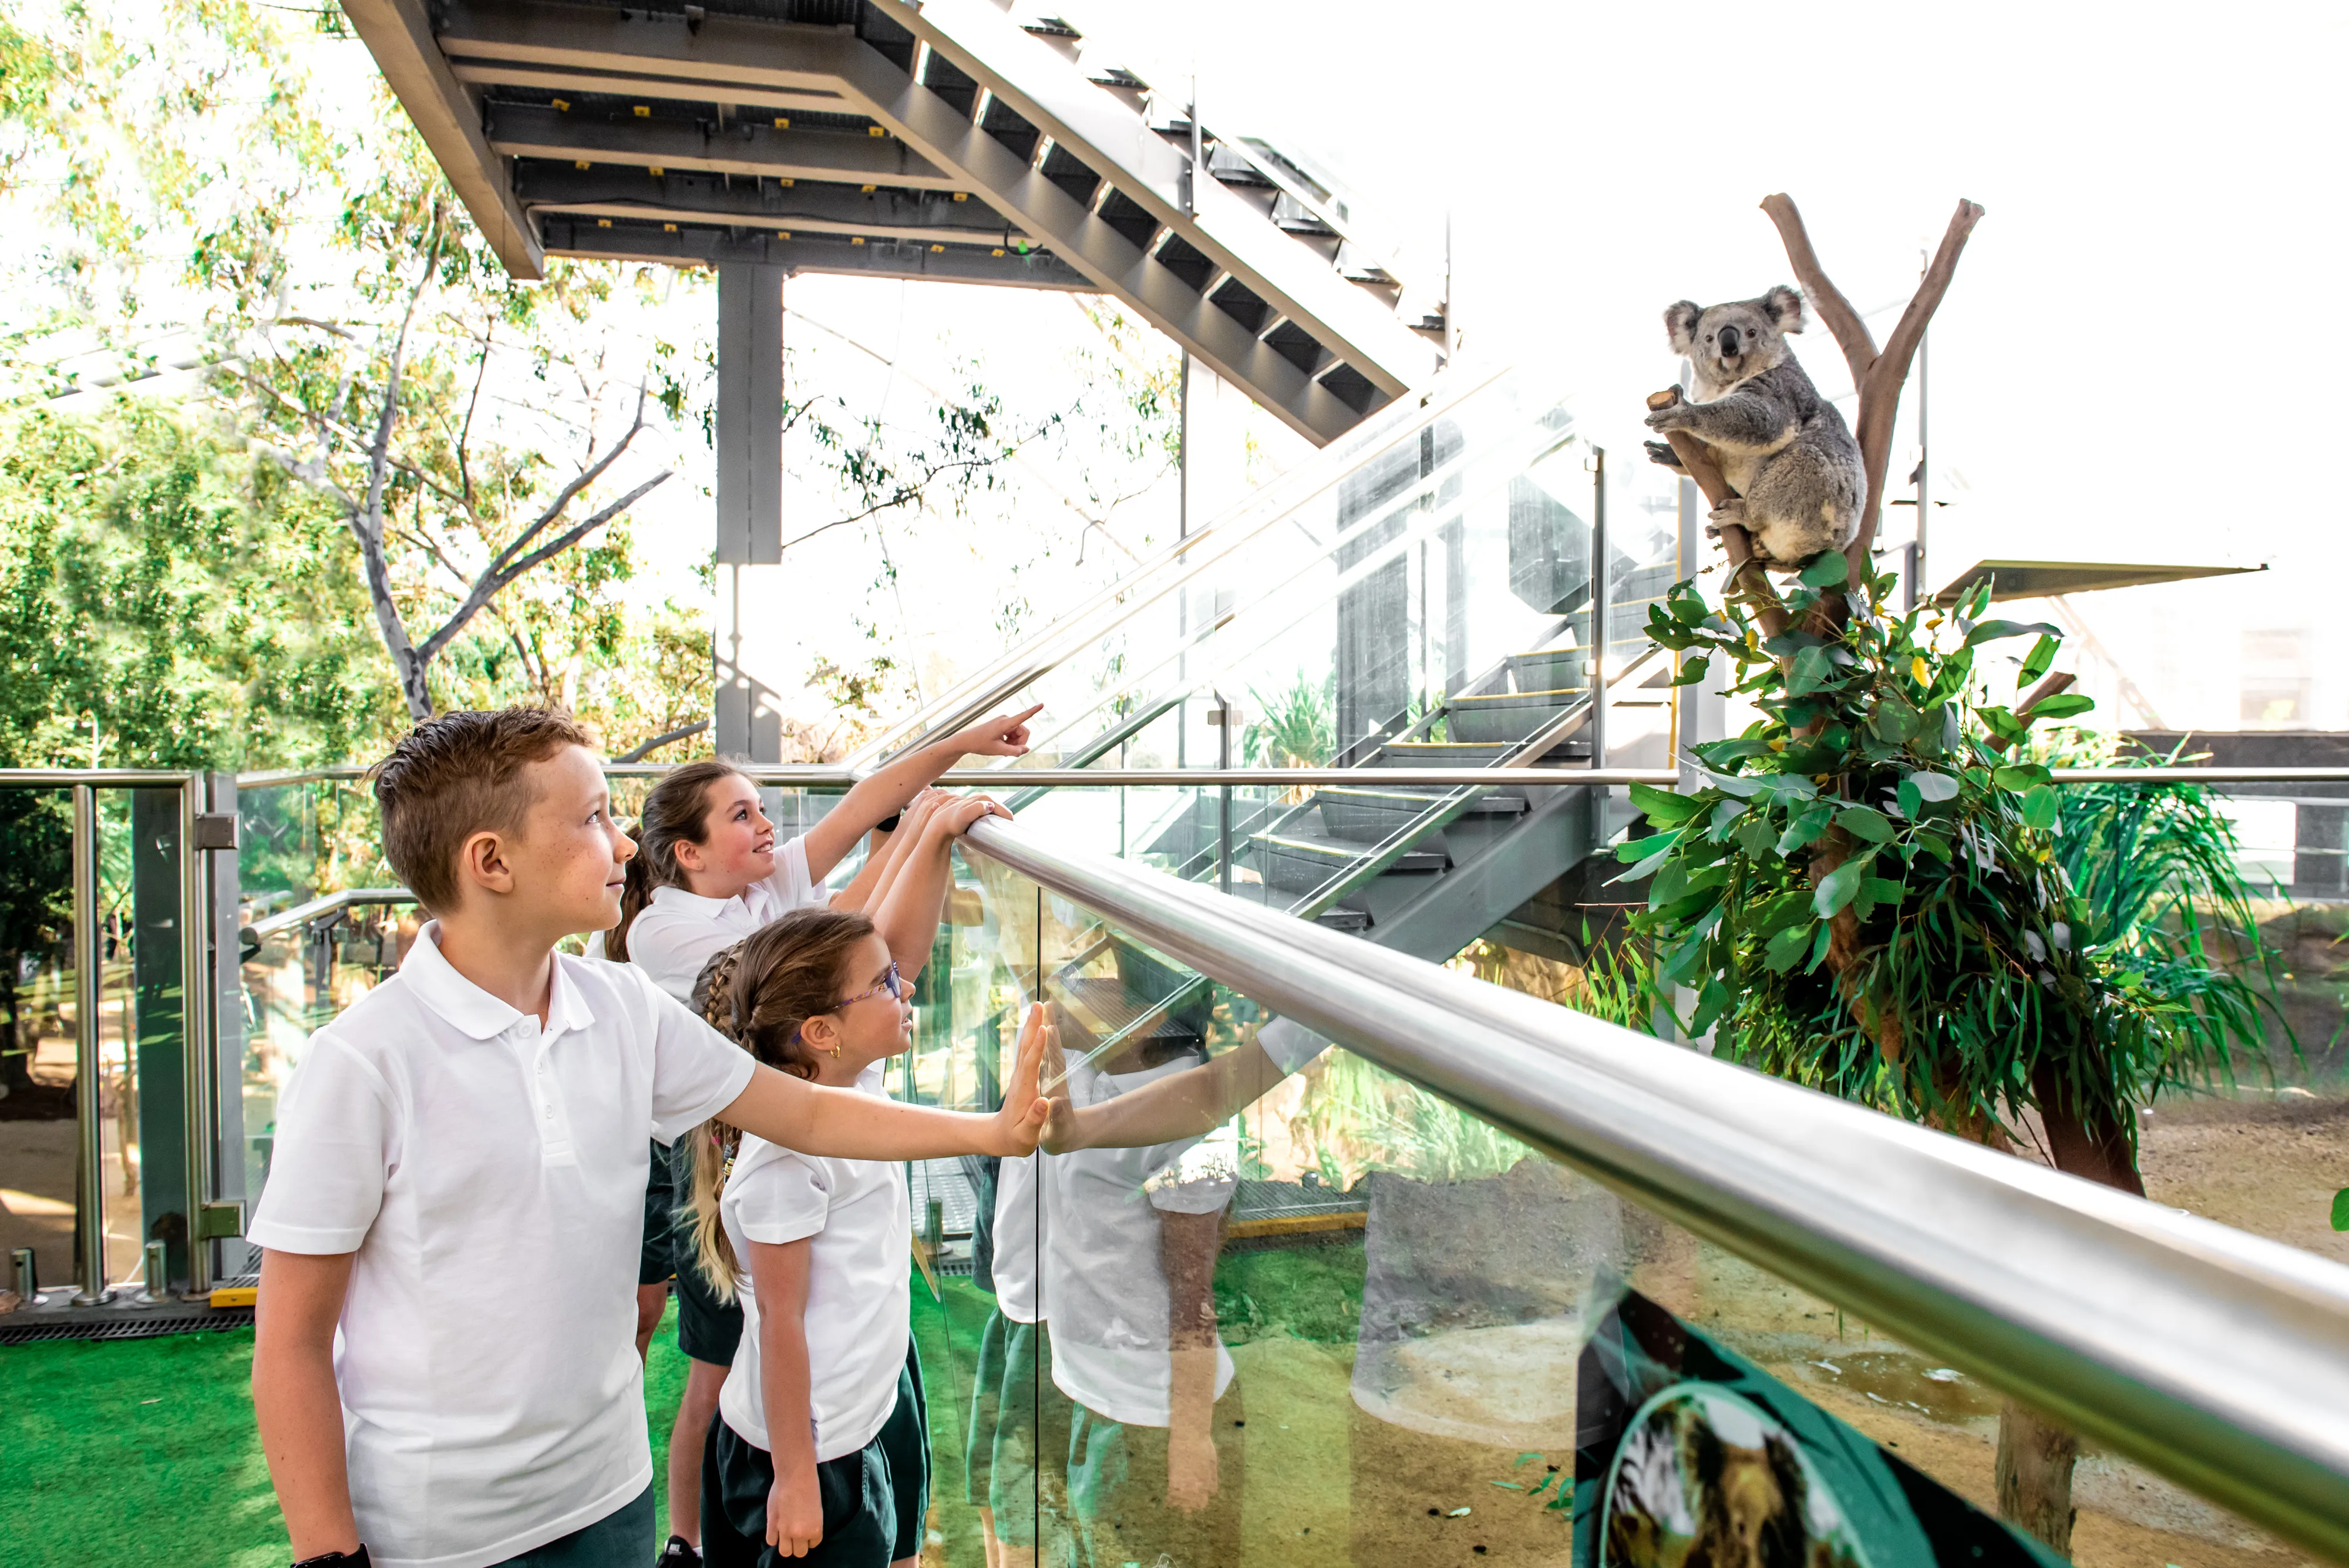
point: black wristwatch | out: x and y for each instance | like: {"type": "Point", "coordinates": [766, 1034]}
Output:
{"type": "Point", "coordinates": [337, 1559]}
{"type": "Point", "coordinates": [890, 824]}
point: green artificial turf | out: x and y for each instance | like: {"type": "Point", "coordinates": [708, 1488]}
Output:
{"type": "Point", "coordinates": [144, 1450]}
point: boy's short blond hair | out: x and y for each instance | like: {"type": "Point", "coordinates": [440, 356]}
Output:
{"type": "Point", "coordinates": [456, 774]}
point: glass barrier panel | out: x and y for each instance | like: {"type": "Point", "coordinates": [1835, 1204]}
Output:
{"type": "Point", "coordinates": [39, 1076]}
{"type": "Point", "coordinates": [1274, 1304]}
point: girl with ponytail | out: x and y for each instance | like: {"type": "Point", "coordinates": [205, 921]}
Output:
{"type": "Point", "coordinates": [707, 870]}
{"type": "Point", "coordinates": [824, 1392]}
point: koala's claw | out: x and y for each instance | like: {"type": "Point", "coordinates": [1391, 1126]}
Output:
{"type": "Point", "coordinates": [1662, 452]}
{"type": "Point", "coordinates": [1675, 417]}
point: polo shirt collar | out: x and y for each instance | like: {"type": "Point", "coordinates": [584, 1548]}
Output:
{"type": "Point", "coordinates": [690, 903]}
{"type": "Point", "coordinates": [472, 1011]}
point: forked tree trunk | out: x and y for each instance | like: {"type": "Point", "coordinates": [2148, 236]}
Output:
{"type": "Point", "coordinates": [2035, 1456]}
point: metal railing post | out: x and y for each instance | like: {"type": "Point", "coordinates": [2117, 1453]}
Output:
{"type": "Point", "coordinates": [90, 1212]}
{"type": "Point", "coordinates": [195, 1032]}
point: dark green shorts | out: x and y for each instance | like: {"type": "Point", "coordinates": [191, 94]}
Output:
{"type": "Point", "coordinates": [654, 1264]}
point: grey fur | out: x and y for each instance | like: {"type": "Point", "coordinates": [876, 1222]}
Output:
{"type": "Point", "coordinates": [1783, 447]}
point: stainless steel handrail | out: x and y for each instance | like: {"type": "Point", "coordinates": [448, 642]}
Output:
{"type": "Point", "coordinates": [2216, 1357]}
{"type": "Point", "coordinates": [823, 778]}
{"type": "Point", "coordinates": [260, 930]}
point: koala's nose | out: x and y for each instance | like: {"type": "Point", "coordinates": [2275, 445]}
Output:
{"type": "Point", "coordinates": [1728, 340]}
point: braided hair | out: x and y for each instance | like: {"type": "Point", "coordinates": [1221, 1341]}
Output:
{"type": "Point", "coordinates": [757, 992]}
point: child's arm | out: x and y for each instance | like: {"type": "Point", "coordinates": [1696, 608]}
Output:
{"type": "Point", "coordinates": [1189, 1103]}
{"type": "Point", "coordinates": [908, 915]}
{"type": "Point", "coordinates": [885, 793]}
{"type": "Point", "coordinates": [871, 883]}
{"type": "Point", "coordinates": [846, 1124]}
{"type": "Point", "coordinates": [1187, 1245]}
{"type": "Point", "coordinates": [295, 1401]}
{"type": "Point", "coordinates": [779, 1278]}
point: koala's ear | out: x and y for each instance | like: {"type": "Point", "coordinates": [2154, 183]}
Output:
{"type": "Point", "coordinates": [1680, 324]}
{"type": "Point", "coordinates": [1783, 306]}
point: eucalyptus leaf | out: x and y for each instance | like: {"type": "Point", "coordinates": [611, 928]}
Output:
{"type": "Point", "coordinates": [1866, 822]}
{"type": "Point", "coordinates": [1831, 570]}
{"type": "Point", "coordinates": [2020, 776]}
{"type": "Point", "coordinates": [1662, 807]}
{"type": "Point", "coordinates": [1992, 631]}
{"type": "Point", "coordinates": [1692, 670]}
{"type": "Point", "coordinates": [2043, 655]}
{"type": "Point", "coordinates": [1839, 887]}
{"type": "Point", "coordinates": [2063, 705]}
{"type": "Point", "coordinates": [1934, 786]}
{"type": "Point", "coordinates": [2041, 806]}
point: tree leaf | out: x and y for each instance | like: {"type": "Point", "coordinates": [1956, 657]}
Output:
{"type": "Point", "coordinates": [2020, 776]}
{"type": "Point", "coordinates": [1839, 887]}
{"type": "Point", "coordinates": [1642, 848]}
{"type": "Point", "coordinates": [1786, 948]}
{"type": "Point", "coordinates": [2340, 1209]}
{"type": "Point", "coordinates": [1992, 631]}
{"type": "Point", "coordinates": [2040, 807]}
{"type": "Point", "coordinates": [1662, 807]}
{"type": "Point", "coordinates": [1932, 786]}
{"type": "Point", "coordinates": [1691, 670]}
{"type": "Point", "coordinates": [2063, 705]}
{"type": "Point", "coordinates": [1831, 570]}
{"type": "Point", "coordinates": [2043, 654]}
{"type": "Point", "coordinates": [1865, 821]}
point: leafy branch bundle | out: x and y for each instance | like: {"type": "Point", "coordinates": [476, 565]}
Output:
{"type": "Point", "coordinates": [1866, 894]}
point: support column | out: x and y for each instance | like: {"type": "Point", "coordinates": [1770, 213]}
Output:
{"type": "Point", "coordinates": [749, 494]}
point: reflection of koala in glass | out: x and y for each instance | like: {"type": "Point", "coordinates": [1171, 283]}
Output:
{"type": "Point", "coordinates": [1780, 445]}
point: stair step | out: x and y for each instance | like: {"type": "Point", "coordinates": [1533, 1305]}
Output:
{"type": "Point", "coordinates": [1298, 862]}
{"type": "Point", "coordinates": [1369, 815]}
{"type": "Point", "coordinates": [1510, 716]}
{"type": "Point", "coordinates": [1551, 670]}
{"type": "Point", "coordinates": [1344, 920]}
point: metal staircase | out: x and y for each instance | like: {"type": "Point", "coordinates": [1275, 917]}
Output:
{"type": "Point", "coordinates": [949, 140]}
{"type": "Point", "coordinates": [1432, 585]}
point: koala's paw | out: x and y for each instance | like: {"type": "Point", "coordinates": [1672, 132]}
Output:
{"type": "Point", "coordinates": [1730, 511]}
{"type": "Point", "coordinates": [1661, 451]}
{"type": "Point", "coordinates": [1679, 417]}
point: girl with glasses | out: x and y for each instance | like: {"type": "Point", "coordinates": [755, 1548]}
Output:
{"type": "Point", "coordinates": [820, 1451]}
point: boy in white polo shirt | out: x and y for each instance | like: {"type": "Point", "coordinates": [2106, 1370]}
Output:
{"type": "Point", "coordinates": [444, 1371]}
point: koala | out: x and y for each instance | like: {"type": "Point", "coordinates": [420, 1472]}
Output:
{"type": "Point", "coordinates": [1781, 446]}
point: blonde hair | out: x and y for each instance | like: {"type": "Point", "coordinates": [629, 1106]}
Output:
{"type": "Point", "coordinates": [759, 992]}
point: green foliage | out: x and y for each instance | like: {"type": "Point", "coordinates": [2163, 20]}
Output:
{"type": "Point", "coordinates": [1296, 728]}
{"type": "Point", "coordinates": [165, 601]}
{"type": "Point", "coordinates": [2340, 1209]}
{"type": "Point", "coordinates": [2154, 868]}
{"type": "Point", "coordinates": [1866, 891]}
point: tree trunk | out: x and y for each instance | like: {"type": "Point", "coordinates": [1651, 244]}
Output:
{"type": "Point", "coordinates": [2035, 1475]}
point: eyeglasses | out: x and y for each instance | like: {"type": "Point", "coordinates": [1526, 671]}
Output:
{"type": "Point", "coordinates": [890, 982]}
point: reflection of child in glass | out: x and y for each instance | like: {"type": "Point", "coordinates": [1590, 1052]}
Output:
{"type": "Point", "coordinates": [1131, 1238]}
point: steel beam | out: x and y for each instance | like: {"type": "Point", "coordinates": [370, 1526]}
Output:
{"type": "Point", "coordinates": [1051, 93]}
{"type": "Point", "coordinates": [710, 243]}
{"type": "Point", "coordinates": [449, 117]}
{"type": "Point", "coordinates": [536, 131]}
{"type": "Point", "coordinates": [644, 87]}
{"type": "Point", "coordinates": [931, 218]}
{"type": "Point", "coordinates": [933, 128]}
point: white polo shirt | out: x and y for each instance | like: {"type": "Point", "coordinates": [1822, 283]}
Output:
{"type": "Point", "coordinates": [858, 1219]}
{"type": "Point", "coordinates": [1105, 1284]}
{"type": "Point", "coordinates": [677, 933]}
{"type": "Point", "coordinates": [490, 1176]}
{"type": "Point", "coordinates": [1019, 1236]}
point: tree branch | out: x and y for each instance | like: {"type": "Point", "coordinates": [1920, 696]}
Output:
{"type": "Point", "coordinates": [1851, 334]}
{"type": "Point", "coordinates": [1746, 576]}
{"type": "Point", "coordinates": [486, 586]}
{"type": "Point", "coordinates": [638, 753]}
{"type": "Point", "coordinates": [564, 497]}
